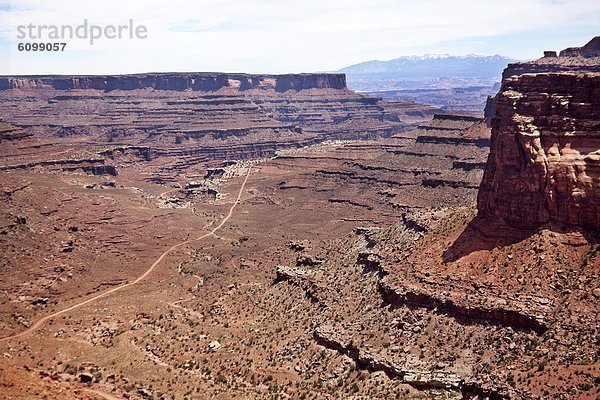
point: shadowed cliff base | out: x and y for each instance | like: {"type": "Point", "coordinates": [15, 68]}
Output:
{"type": "Point", "coordinates": [487, 234]}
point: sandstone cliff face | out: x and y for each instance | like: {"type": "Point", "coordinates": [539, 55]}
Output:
{"type": "Point", "coordinates": [204, 81]}
{"type": "Point", "coordinates": [544, 163]}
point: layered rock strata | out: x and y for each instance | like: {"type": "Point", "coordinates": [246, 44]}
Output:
{"type": "Point", "coordinates": [544, 163]}
{"type": "Point", "coordinates": [203, 81]}
{"type": "Point", "coordinates": [189, 119]}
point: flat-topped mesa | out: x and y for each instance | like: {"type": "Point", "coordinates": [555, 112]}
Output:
{"type": "Point", "coordinates": [201, 81]}
{"type": "Point", "coordinates": [544, 162]}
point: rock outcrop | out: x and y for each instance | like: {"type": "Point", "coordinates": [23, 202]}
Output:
{"type": "Point", "coordinates": [9, 132]}
{"type": "Point", "coordinates": [525, 316]}
{"type": "Point", "coordinates": [544, 164]}
{"type": "Point", "coordinates": [591, 49]}
{"type": "Point", "coordinates": [327, 337]}
{"type": "Point", "coordinates": [93, 166]}
{"type": "Point", "coordinates": [572, 59]}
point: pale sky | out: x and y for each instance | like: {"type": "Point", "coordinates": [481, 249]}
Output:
{"type": "Point", "coordinates": [279, 36]}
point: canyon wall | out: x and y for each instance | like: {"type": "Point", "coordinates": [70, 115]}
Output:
{"type": "Point", "coordinates": [204, 81]}
{"type": "Point", "coordinates": [544, 162]}
{"type": "Point", "coordinates": [185, 119]}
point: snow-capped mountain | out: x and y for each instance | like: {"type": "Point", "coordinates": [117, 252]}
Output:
{"type": "Point", "coordinates": [431, 66]}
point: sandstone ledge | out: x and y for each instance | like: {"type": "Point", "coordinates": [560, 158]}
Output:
{"type": "Point", "coordinates": [526, 316]}
{"type": "Point", "coordinates": [475, 387]}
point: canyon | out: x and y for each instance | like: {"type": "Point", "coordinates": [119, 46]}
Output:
{"type": "Point", "coordinates": [212, 235]}
{"type": "Point", "coordinates": [454, 83]}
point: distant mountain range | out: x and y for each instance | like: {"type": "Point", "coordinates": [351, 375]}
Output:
{"type": "Point", "coordinates": [455, 83]}
{"type": "Point", "coordinates": [431, 66]}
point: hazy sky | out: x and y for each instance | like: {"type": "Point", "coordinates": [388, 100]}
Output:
{"type": "Point", "coordinates": [277, 36]}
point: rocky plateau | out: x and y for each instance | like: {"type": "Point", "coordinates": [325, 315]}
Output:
{"type": "Point", "coordinates": [209, 235]}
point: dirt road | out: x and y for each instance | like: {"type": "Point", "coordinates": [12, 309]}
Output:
{"type": "Point", "coordinates": [42, 320]}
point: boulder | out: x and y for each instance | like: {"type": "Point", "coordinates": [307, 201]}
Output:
{"type": "Point", "coordinates": [214, 345]}
{"type": "Point", "coordinates": [86, 377]}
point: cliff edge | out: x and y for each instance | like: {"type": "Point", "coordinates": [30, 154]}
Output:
{"type": "Point", "coordinates": [201, 81]}
{"type": "Point", "coordinates": [544, 162]}
{"type": "Point", "coordinates": [573, 59]}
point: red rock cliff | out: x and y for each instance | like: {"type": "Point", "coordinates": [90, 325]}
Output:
{"type": "Point", "coordinates": [544, 162]}
{"type": "Point", "coordinates": [201, 81]}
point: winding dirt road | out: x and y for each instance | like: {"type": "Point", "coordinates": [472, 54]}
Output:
{"type": "Point", "coordinates": [42, 320]}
